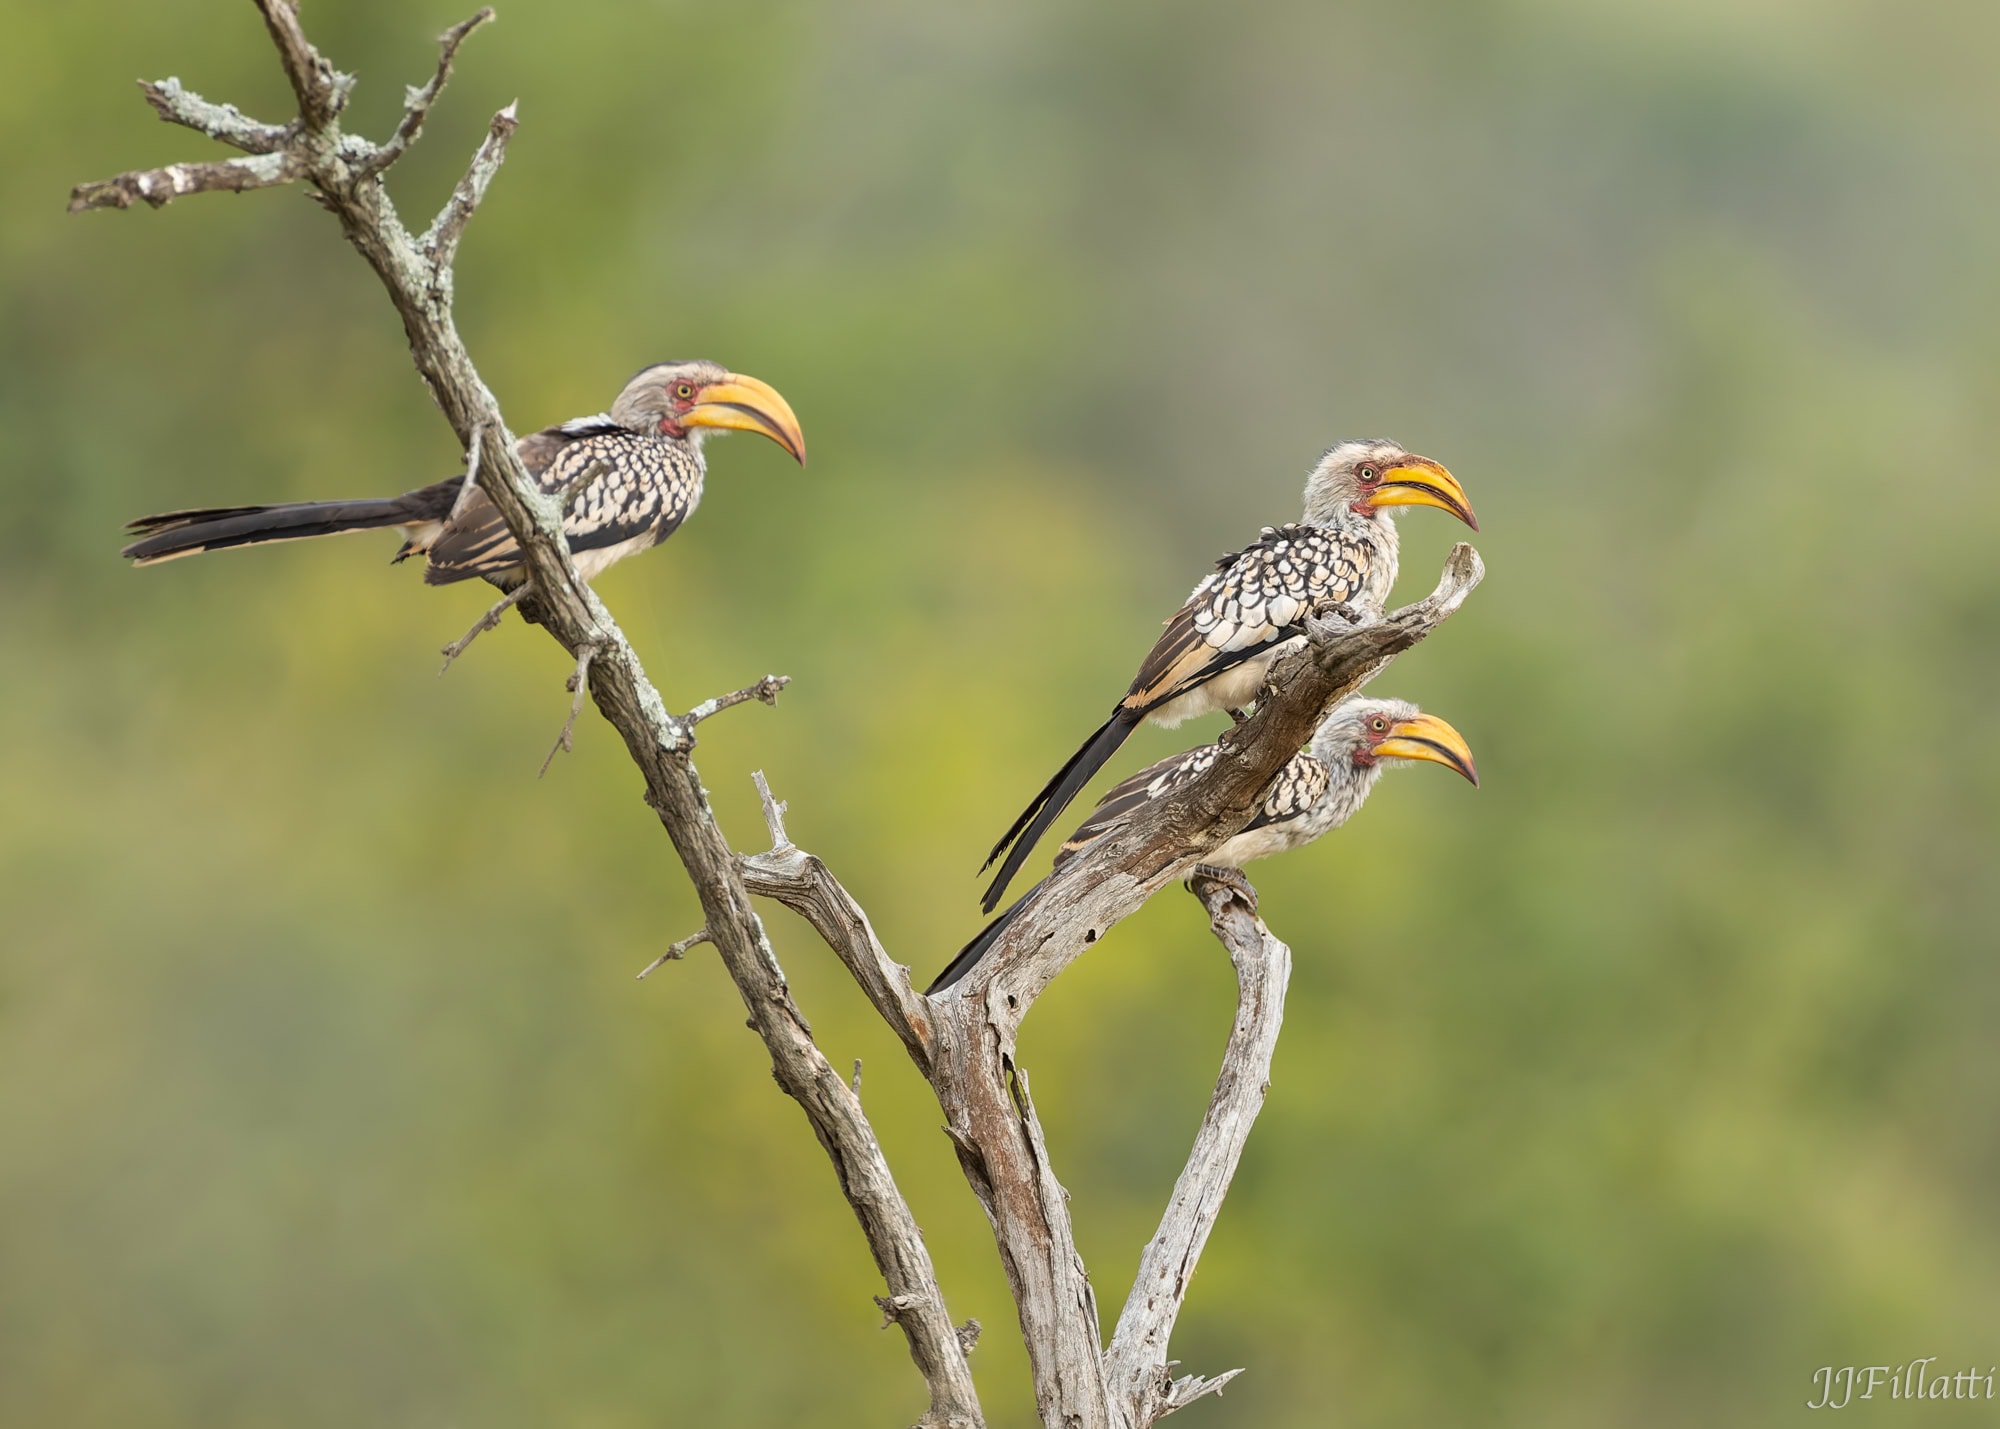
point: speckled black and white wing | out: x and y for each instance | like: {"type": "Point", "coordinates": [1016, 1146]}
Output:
{"type": "Point", "coordinates": [645, 489]}
{"type": "Point", "coordinates": [1257, 598]}
{"type": "Point", "coordinates": [1293, 793]}
{"type": "Point", "coordinates": [1155, 781]}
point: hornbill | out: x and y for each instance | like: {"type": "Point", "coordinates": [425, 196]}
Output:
{"type": "Point", "coordinates": [1319, 789]}
{"type": "Point", "coordinates": [1251, 610]}
{"type": "Point", "coordinates": [639, 466]}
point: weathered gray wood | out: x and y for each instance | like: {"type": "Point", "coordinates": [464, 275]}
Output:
{"type": "Point", "coordinates": [1136, 1363]}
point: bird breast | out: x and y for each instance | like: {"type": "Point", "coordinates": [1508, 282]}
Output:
{"type": "Point", "coordinates": [1233, 689]}
{"type": "Point", "coordinates": [1253, 844]}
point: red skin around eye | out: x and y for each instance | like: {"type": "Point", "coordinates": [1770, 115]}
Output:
{"type": "Point", "coordinates": [670, 426]}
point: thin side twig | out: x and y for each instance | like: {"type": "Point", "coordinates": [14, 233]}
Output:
{"type": "Point", "coordinates": [468, 486]}
{"type": "Point", "coordinates": [674, 953]}
{"type": "Point", "coordinates": [160, 187]}
{"type": "Point", "coordinates": [176, 104]}
{"type": "Point", "coordinates": [440, 240]}
{"type": "Point", "coordinates": [579, 684]}
{"type": "Point", "coordinates": [486, 622]}
{"type": "Point", "coordinates": [417, 102]}
{"type": "Point", "coordinates": [765, 690]}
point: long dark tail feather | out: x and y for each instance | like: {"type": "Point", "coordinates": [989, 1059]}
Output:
{"type": "Point", "coordinates": [973, 951]}
{"type": "Point", "coordinates": [1054, 798]}
{"type": "Point", "coordinates": [183, 533]}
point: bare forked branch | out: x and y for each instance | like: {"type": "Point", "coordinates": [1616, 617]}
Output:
{"type": "Point", "coordinates": [963, 1042]}
{"type": "Point", "coordinates": [344, 169]}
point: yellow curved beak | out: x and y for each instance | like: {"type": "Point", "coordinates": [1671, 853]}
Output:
{"type": "Point", "coordinates": [1419, 481]}
{"type": "Point", "coordinates": [1428, 737]}
{"type": "Point", "coordinates": [743, 404]}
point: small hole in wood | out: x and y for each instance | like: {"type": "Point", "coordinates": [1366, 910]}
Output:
{"type": "Point", "coordinates": [1089, 936]}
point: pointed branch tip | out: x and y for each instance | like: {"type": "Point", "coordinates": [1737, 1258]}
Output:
{"type": "Point", "coordinates": [440, 242]}
{"type": "Point", "coordinates": [417, 101]}
{"type": "Point", "coordinates": [774, 812]}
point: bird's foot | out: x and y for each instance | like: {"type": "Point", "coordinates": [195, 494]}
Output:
{"type": "Point", "coordinates": [1231, 878]}
{"type": "Point", "coordinates": [1332, 617]}
{"type": "Point", "coordinates": [486, 622]}
{"type": "Point", "coordinates": [1237, 716]}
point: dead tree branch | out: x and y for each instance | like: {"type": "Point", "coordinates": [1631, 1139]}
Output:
{"type": "Point", "coordinates": [1136, 1364]}
{"type": "Point", "coordinates": [346, 172]}
{"type": "Point", "coordinates": [964, 1041]}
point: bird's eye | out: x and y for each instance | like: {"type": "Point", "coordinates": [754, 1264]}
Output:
{"type": "Point", "coordinates": [684, 391]}
{"type": "Point", "coordinates": [1379, 725]}
{"type": "Point", "coordinates": [1369, 476]}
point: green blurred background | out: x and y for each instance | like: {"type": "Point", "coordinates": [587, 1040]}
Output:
{"type": "Point", "coordinates": [1630, 1089]}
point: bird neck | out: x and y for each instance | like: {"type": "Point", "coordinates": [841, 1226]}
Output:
{"type": "Point", "coordinates": [1376, 534]}
{"type": "Point", "coordinates": [692, 441]}
{"type": "Point", "coordinates": [1379, 525]}
{"type": "Point", "coordinates": [683, 454]}
{"type": "Point", "coordinates": [1348, 787]}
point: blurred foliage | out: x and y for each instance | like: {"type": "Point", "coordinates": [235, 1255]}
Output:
{"type": "Point", "coordinates": [1628, 1090]}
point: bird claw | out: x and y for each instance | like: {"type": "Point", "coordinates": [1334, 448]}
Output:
{"type": "Point", "coordinates": [1332, 617]}
{"type": "Point", "coordinates": [1231, 878]}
